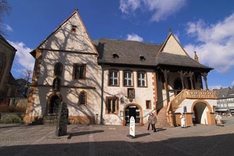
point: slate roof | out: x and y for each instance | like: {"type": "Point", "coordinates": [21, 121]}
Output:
{"type": "Point", "coordinates": [129, 53]}
{"type": "Point", "coordinates": [222, 92]}
{"type": "Point", "coordinates": [178, 60]}
{"type": "Point", "coordinates": [231, 93]}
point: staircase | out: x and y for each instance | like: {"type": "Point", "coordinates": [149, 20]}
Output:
{"type": "Point", "coordinates": [162, 118]}
{"type": "Point", "coordinates": [50, 120]}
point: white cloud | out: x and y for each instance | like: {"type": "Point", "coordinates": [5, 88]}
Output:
{"type": "Point", "coordinates": [134, 37]}
{"type": "Point", "coordinates": [215, 87]}
{"type": "Point", "coordinates": [23, 57]}
{"type": "Point", "coordinates": [232, 83]}
{"type": "Point", "coordinates": [215, 43]}
{"type": "Point", "coordinates": [161, 9]}
{"type": "Point", "coordinates": [7, 27]}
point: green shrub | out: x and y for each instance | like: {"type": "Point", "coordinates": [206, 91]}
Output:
{"type": "Point", "coordinates": [11, 118]}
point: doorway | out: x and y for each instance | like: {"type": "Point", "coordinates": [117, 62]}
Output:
{"type": "Point", "coordinates": [200, 113]}
{"type": "Point", "coordinates": [130, 111]}
{"type": "Point", "coordinates": [54, 105]}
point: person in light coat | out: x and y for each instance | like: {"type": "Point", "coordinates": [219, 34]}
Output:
{"type": "Point", "coordinates": [182, 120]}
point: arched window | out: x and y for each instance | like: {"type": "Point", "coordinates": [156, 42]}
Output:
{"type": "Point", "coordinates": [58, 69]}
{"type": "Point", "coordinates": [56, 84]}
{"type": "Point", "coordinates": [82, 98]}
{"type": "Point", "coordinates": [2, 64]}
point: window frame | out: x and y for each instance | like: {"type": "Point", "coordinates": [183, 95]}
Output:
{"type": "Point", "coordinates": [146, 106]}
{"type": "Point", "coordinates": [140, 79]}
{"type": "Point", "coordinates": [81, 94]}
{"type": "Point", "coordinates": [79, 77]}
{"type": "Point", "coordinates": [110, 106]}
{"type": "Point", "coordinates": [111, 78]}
{"type": "Point", "coordinates": [131, 78]}
{"type": "Point", "coordinates": [60, 65]}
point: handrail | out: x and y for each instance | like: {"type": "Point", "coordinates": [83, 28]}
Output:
{"type": "Point", "coordinates": [190, 94]}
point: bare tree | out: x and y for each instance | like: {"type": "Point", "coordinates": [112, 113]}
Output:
{"type": "Point", "coordinates": [5, 9]}
{"type": "Point", "coordinates": [24, 82]}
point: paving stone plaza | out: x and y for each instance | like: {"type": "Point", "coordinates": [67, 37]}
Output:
{"type": "Point", "coordinates": [100, 140]}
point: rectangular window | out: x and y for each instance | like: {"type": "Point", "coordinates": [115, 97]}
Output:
{"type": "Point", "coordinates": [148, 104]}
{"type": "Point", "coordinates": [128, 78]}
{"type": "Point", "coordinates": [78, 71]}
{"type": "Point", "coordinates": [82, 98]}
{"type": "Point", "coordinates": [112, 105]}
{"type": "Point", "coordinates": [141, 78]}
{"type": "Point", "coordinates": [113, 78]}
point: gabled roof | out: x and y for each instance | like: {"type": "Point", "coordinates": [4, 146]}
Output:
{"type": "Point", "coordinates": [71, 35]}
{"type": "Point", "coordinates": [114, 51]}
{"type": "Point", "coordinates": [222, 92]}
{"type": "Point", "coordinates": [176, 56]}
{"type": "Point", "coordinates": [126, 52]}
{"type": "Point", "coordinates": [7, 43]}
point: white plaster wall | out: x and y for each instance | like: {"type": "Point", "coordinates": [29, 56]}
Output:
{"type": "Point", "coordinates": [188, 103]}
{"type": "Point", "coordinates": [65, 39]}
{"type": "Point", "coordinates": [141, 95]}
{"type": "Point", "coordinates": [46, 74]}
{"type": "Point", "coordinates": [173, 47]}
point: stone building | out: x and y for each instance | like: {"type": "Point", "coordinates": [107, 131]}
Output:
{"type": "Point", "coordinates": [225, 100]}
{"type": "Point", "coordinates": [8, 84]}
{"type": "Point", "coordinates": [107, 81]}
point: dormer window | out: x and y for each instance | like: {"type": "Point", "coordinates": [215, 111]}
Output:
{"type": "Point", "coordinates": [115, 56]}
{"type": "Point", "coordinates": [142, 58]}
{"type": "Point", "coordinates": [73, 28]}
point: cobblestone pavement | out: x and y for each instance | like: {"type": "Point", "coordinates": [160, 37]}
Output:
{"type": "Point", "coordinates": [99, 140]}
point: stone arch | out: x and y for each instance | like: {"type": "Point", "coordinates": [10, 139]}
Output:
{"type": "Point", "coordinates": [202, 111]}
{"type": "Point", "coordinates": [134, 110]}
{"type": "Point", "coordinates": [53, 102]}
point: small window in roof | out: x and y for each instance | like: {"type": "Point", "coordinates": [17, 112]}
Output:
{"type": "Point", "coordinates": [115, 56]}
{"type": "Point", "coordinates": [142, 58]}
{"type": "Point", "coordinates": [73, 28]}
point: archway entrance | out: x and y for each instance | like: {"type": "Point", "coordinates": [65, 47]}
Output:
{"type": "Point", "coordinates": [134, 111]}
{"type": "Point", "coordinates": [199, 110]}
{"type": "Point", "coordinates": [53, 105]}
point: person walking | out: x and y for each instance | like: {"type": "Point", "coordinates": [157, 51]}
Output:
{"type": "Point", "coordinates": [149, 121]}
{"type": "Point", "coordinates": [153, 122]}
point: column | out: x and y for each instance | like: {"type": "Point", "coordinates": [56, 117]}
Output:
{"type": "Point", "coordinates": [205, 79]}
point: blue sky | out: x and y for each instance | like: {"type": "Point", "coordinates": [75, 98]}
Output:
{"type": "Point", "coordinates": [206, 27]}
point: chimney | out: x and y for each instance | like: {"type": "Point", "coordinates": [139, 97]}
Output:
{"type": "Point", "coordinates": [195, 56]}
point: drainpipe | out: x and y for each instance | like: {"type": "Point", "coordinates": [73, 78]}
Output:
{"type": "Point", "coordinates": [102, 86]}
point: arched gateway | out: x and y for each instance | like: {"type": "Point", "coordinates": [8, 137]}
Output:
{"type": "Point", "coordinates": [202, 112]}
{"type": "Point", "coordinates": [134, 110]}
